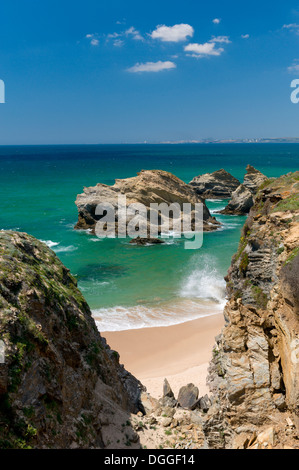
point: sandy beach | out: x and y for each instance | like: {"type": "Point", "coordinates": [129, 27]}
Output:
{"type": "Point", "coordinates": [180, 353]}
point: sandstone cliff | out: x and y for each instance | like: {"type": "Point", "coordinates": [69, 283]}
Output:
{"type": "Point", "coordinates": [149, 186]}
{"type": "Point", "coordinates": [242, 198]}
{"type": "Point", "coordinates": [240, 203]}
{"type": "Point", "coordinates": [60, 384]}
{"type": "Point", "coordinates": [219, 184]}
{"type": "Point", "coordinates": [254, 372]}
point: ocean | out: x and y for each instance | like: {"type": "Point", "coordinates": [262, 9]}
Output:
{"type": "Point", "coordinates": [129, 286]}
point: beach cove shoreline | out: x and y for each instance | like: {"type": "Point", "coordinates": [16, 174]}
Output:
{"type": "Point", "coordinates": [180, 353]}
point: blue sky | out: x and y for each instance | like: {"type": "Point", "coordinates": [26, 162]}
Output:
{"type": "Point", "coordinates": [99, 71]}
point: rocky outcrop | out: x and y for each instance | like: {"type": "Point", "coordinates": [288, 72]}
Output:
{"type": "Point", "coordinates": [254, 372]}
{"type": "Point", "coordinates": [148, 187]}
{"type": "Point", "coordinates": [243, 197]}
{"type": "Point", "coordinates": [253, 179]}
{"type": "Point", "coordinates": [217, 185]}
{"type": "Point", "coordinates": [61, 385]}
{"type": "Point", "coordinates": [240, 203]}
{"type": "Point", "coordinates": [146, 241]}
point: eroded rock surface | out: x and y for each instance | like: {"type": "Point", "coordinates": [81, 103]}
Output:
{"type": "Point", "coordinates": [242, 199]}
{"type": "Point", "coordinates": [148, 187]}
{"type": "Point", "coordinates": [255, 368]}
{"type": "Point", "coordinates": [219, 184]}
{"type": "Point", "coordinates": [60, 385]}
{"type": "Point", "coordinates": [240, 203]}
{"type": "Point", "coordinates": [253, 179]}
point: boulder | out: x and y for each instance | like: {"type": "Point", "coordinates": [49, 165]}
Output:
{"type": "Point", "coordinates": [168, 398]}
{"type": "Point", "coordinates": [253, 179]}
{"type": "Point", "coordinates": [240, 203]}
{"type": "Point", "coordinates": [219, 184]}
{"type": "Point", "coordinates": [188, 396]}
{"type": "Point", "coordinates": [167, 390]}
{"type": "Point", "coordinates": [204, 403]}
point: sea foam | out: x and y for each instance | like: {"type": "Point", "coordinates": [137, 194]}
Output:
{"type": "Point", "coordinates": [144, 316]}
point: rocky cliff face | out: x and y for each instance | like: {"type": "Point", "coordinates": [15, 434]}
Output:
{"type": "Point", "coordinates": [240, 203]}
{"type": "Point", "coordinates": [243, 197]}
{"type": "Point", "coordinates": [219, 184]}
{"type": "Point", "coordinates": [60, 384]}
{"type": "Point", "coordinates": [253, 179]}
{"type": "Point", "coordinates": [149, 186]}
{"type": "Point", "coordinates": [254, 372]}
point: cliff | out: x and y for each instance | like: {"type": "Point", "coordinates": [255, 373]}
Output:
{"type": "Point", "coordinates": [60, 384]}
{"type": "Point", "coordinates": [242, 198]}
{"type": "Point", "coordinates": [149, 186]}
{"type": "Point", "coordinates": [254, 372]}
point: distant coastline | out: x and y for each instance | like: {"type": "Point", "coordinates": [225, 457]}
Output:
{"type": "Point", "coordinates": [278, 140]}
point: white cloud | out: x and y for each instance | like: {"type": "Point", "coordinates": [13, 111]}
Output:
{"type": "Point", "coordinates": [134, 33]}
{"type": "Point", "coordinates": [244, 36]}
{"type": "Point", "coordinates": [113, 35]}
{"type": "Point", "coordinates": [216, 20]}
{"type": "Point", "coordinates": [220, 39]}
{"type": "Point", "coordinates": [152, 66]}
{"type": "Point", "coordinates": [93, 39]}
{"type": "Point", "coordinates": [203, 50]}
{"type": "Point", "coordinates": [176, 33]}
{"type": "Point", "coordinates": [94, 42]}
{"type": "Point", "coordinates": [292, 27]}
{"type": "Point", "coordinates": [294, 67]}
{"type": "Point", "coordinates": [118, 43]}
{"type": "Point", "coordinates": [128, 33]}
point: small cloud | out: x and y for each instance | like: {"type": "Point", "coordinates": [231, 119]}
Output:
{"type": "Point", "coordinates": [93, 39]}
{"type": "Point", "coordinates": [118, 43]}
{"type": "Point", "coordinates": [113, 35]}
{"type": "Point", "coordinates": [176, 33]}
{"type": "Point", "coordinates": [294, 27]}
{"type": "Point", "coordinates": [244, 36]}
{"type": "Point", "coordinates": [152, 66]}
{"type": "Point", "coordinates": [134, 33]}
{"type": "Point", "coordinates": [203, 50]}
{"type": "Point", "coordinates": [220, 39]}
{"type": "Point", "coordinates": [294, 67]}
{"type": "Point", "coordinates": [216, 20]}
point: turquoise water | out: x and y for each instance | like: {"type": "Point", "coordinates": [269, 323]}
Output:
{"type": "Point", "coordinates": [128, 286]}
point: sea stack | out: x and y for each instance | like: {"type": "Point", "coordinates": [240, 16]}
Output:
{"type": "Point", "coordinates": [149, 186]}
{"type": "Point", "coordinates": [217, 185]}
{"type": "Point", "coordinates": [243, 197]}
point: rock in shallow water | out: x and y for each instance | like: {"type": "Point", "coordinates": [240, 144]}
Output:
{"type": "Point", "coordinates": [146, 241]}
